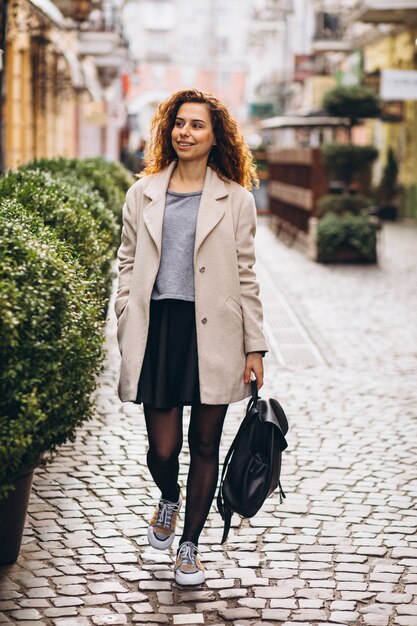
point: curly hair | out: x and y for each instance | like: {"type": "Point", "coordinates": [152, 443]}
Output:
{"type": "Point", "coordinates": [230, 157]}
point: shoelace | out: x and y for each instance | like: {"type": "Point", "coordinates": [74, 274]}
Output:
{"type": "Point", "coordinates": [165, 512]}
{"type": "Point", "coordinates": [188, 552]}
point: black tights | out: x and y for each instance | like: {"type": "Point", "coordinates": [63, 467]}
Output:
{"type": "Point", "coordinates": [165, 435]}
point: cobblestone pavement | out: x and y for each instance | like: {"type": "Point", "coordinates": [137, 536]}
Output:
{"type": "Point", "coordinates": [342, 549]}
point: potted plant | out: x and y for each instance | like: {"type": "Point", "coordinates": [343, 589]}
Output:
{"type": "Point", "coordinates": [346, 238]}
{"type": "Point", "coordinates": [345, 231]}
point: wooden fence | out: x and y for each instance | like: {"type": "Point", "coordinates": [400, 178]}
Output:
{"type": "Point", "coordinates": [297, 180]}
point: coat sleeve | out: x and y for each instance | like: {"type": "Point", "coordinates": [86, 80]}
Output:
{"type": "Point", "coordinates": [254, 337]}
{"type": "Point", "coordinates": [126, 253]}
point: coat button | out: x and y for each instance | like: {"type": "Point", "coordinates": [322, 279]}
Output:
{"type": "Point", "coordinates": [204, 320]}
{"type": "Point", "coordinates": [202, 269]}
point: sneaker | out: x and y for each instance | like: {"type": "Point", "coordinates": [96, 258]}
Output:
{"type": "Point", "coordinates": [161, 529]}
{"type": "Point", "coordinates": [188, 568]}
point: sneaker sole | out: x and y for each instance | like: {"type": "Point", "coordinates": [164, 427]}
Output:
{"type": "Point", "coordinates": [190, 579]}
{"type": "Point", "coordinates": [157, 543]}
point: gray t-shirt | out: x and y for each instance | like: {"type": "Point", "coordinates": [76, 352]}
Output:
{"type": "Point", "coordinates": [175, 278]}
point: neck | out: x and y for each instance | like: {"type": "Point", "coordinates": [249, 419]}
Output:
{"type": "Point", "coordinates": [190, 173]}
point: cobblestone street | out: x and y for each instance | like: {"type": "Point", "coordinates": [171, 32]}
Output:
{"type": "Point", "coordinates": [340, 550]}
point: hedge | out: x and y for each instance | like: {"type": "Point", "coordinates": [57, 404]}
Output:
{"type": "Point", "coordinates": [50, 341]}
{"type": "Point", "coordinates": [109, 179]}
{"type": "Point", "coordinates": [60, 225]}
{"type": "Point", "coordinates": [77, 214]}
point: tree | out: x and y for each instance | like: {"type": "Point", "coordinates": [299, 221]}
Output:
{"type": "Point", "coordinates": [354, 102]}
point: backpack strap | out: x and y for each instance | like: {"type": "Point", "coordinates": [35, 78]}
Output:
{"type": "Point", "coordinates": [227, 517]}
{"type": "Point", "coordinates": [224, 510]}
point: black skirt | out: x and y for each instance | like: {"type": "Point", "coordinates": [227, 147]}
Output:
{"type": "Point", "coordinates": [169, 375]}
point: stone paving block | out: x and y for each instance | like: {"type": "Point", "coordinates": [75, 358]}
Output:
{"type": "Point", "coordinates": [407, 609]}
{"type": "Point", "coordinates": [120, 607]}
{"type": "Point", "coordinates": [99, 599]}
{"type": "Point", "coordinates": [24, 615]}
{"type": "Point", "coordinates": [111, 618]}
{"type": "Point", "coordinates": [402, 620]}
{"type": "Point", "coordinates": [60, 601]}
{"type": "Point", "coordinates": [107, 586]}
{"type": "Point", "coordinates": [143, 607]}
{"type": "Point", "coordinates": [61, 612]}
{"type": "Point", "coordinates": [238, 613]}
{"type": "Point", "coordinates": [344, 617]}
{"type": "Point", "coordinates": [157, 618]}
{"type": "Point", "coordinates": [275, 615]}
{"type": "Point", "coordinates": [376, 619]}
{"type": "Point", "coordinates": [197, 618]}
{"type": "Point", "coordinates": [252, 603]}
{"type": "Point", "coordinates": [36, 603]}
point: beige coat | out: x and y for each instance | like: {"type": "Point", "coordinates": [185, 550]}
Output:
{"type": "Point", "coordinates": [228, 310]}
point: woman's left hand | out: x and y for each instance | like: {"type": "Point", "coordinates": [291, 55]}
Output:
{"type": "Point", "coordinates": [254, 363]}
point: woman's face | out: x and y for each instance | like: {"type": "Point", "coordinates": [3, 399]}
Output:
{"type": "Point", "coordinates": [192, 136]}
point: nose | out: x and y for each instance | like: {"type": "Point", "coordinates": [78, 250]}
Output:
{"type": "Point", "coordinates": [184, 130]}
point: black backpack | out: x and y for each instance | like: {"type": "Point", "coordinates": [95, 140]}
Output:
{"type": "Point", "coordinates": [252, 467]}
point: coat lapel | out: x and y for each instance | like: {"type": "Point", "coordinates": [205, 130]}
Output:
{"type": "Point", "coordinates": [209, 215]}
{"type": "Point", "coordinates": [153, 213]}
{"type": "Point", "coordinates": [211, 211]}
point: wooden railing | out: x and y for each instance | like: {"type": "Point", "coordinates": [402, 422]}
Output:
{"type": "Point", "coordinates": [297, 180]}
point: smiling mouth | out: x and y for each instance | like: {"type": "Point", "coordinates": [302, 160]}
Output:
{"type": "Point", "coordinates": [183, 144]}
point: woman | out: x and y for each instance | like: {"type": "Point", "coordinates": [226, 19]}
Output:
{"type": "Point", "coordinates": [189, 316]}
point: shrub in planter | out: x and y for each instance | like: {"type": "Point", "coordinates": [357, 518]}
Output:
{"type": "Point", "coordinates": [51, 338]}
{"type": "Point", "coordinates": [348, 162]}
{"type": "Point", "coordinates": [340, 204]}
{"type": "Point", "coordinates": [77, 217]}
{"type": "Point", "coordinates": [346, 238]}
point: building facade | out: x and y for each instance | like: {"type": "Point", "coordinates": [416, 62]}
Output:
{"type": "Point", "coordinates": [61, 93]}
{"type": "Point", "coordinates": [389, 42]}
{"type": "Point", "coordinates": [178, 44]}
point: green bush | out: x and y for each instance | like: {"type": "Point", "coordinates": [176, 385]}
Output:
{"type": "Point", "coordinates": [347, 161]}
{"type": "Point", "coordinates": [51, 338]}
{"type": "Point", "coordinates": [340, 204]}
{"type": "Point", "coordinates": [355, 232]}
{"type": "Point", "coordinates": [109, 178]}
{"type": "Point", "coordinates": [77, 215]}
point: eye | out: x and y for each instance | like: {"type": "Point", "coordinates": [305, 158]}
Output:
{"type": "Point", "coordinates": [198, 126]}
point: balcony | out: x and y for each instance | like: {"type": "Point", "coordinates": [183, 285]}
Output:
{"type": "Point", "coordinates": [386, 12]}
{"type": "Point", "coordinates": [108, 50]}
{"type": "Point", "coordinates": [78, 10]}
{"type": "Point", "coordinates": [330, 34]}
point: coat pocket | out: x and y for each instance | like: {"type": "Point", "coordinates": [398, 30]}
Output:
{"type": "Point", "coordinates": [121, 323]}
{"type": "Point", "coordinates": [233, 304]}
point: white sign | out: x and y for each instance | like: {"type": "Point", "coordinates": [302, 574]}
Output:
{"type": "Point", "coordinates": [398, 85]}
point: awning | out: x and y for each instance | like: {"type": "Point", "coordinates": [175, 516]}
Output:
{"type": "Point", "coordinates": [386, 11]}
{"type": "Point", "coordinates": [51, 11]}
{"type": "Point", "coordinates": [300, 121]}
